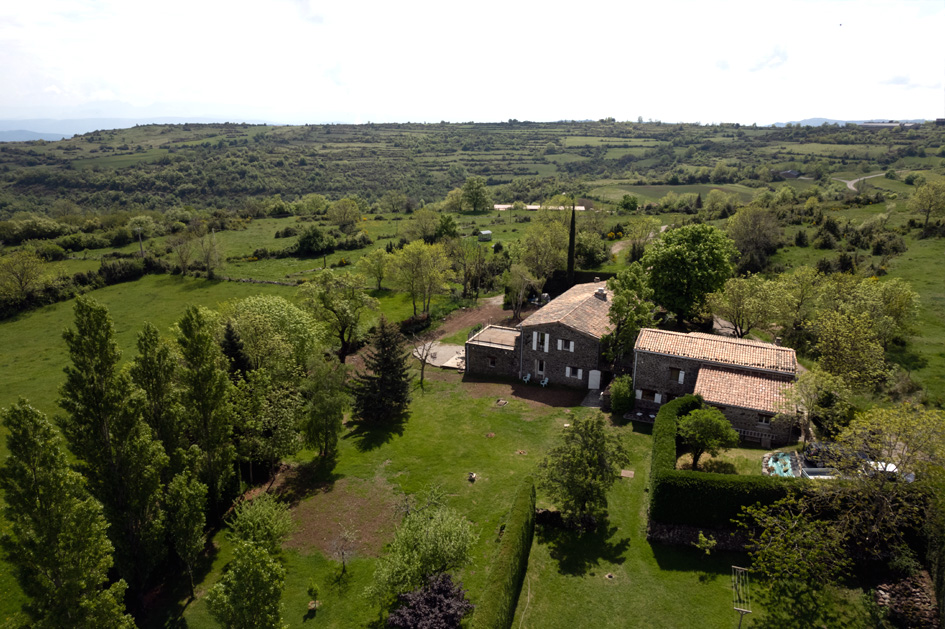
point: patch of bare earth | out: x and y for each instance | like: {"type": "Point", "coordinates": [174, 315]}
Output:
{"type": "Point", "coordinates": [368, 508]}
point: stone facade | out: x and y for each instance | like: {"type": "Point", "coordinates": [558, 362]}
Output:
{"type": "Point", "coordinates": [492, 361]}
{"type": "Point", "coordinates": [745, 380]}
{"type": "Point", "coordinates": [566, 357]}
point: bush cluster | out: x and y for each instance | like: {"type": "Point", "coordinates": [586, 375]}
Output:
{"type": "Point", "coordinates": [500, 596]}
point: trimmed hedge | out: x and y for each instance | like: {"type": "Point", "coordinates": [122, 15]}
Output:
{"type": "Point", "coordinates": [699, 498]}
{"type": "Point", "coordinates": [500, 596]}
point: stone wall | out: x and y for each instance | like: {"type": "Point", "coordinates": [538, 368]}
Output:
{"type": "Point", "coordinates": [586, 354]}
{"type": "Point", "coordinates": [652, 372]}
{"type": "Point", "coordinates": [492, 361]}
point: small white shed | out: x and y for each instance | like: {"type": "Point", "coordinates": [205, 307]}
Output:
{"type": "Point", "coordinates": [485, 235]}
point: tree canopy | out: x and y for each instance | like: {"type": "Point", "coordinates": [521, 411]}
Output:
{"type": "Point", "coordinates": [686, 264]}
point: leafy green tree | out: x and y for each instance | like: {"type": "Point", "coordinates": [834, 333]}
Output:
{"type": "Point", "coordinates": [638, 230]}
{"type": "Point", "coordinates": [746, 303]}
{"type": "Point", "coordinates": [706, 430]}
{"type": "Point", "coordinates": [824, 401]}
{"type": "Point", "coordinates": [21, 274]}
{"type": "Point", "coordinates": [631, 310]}
{"type": "Point", "coordinates": [430, 540]}
{"type": "Point", "coordinates": [686, 264]}
{"type": "Point", "coordinates": [795, 298]}
{"type": "Point", "coordinates": [469, 261]}
{"type": "Point", "coordinates": [420, 270]}
{"type": "Point", "coordinates": [142, 227]}
{"type": "Point", "coordinates": [446, 228]}
{"type": "Point", "coordinates": [423, 225]}
{"type": "Point", "coordinates": [382, 393]}
{"type": "Point", "coordinates": [186, 508]}
{"type": "Point", "coordinates": [476, 197]}
{"type": "Point", "coordinates": [340, 301]}
{"type": "Point", "coordinates": [756, 234]}
{"type": "Point", "coordinates": [267, 417]}
{"type": "Point", "coordinates": [374, 264]}
{"type": "Point", "coordinates": [56, 539]}
{"type": "Point", "coordinates": [263, 521]}
{"type": "Point", "coordinates": [543, 249]}
{"type": "Point", "coordinates": [276, 335]}
{"type": "Point", "coordinates": [154, 372]}
{"type": "Point", "coordinates": [929, 200]}
{"type": "Point", "coordinates": [346, 214]}
{"type": "Point", "coordinates": [249, 592]}
{"type": "Point", "coordinates": [629, 203]}
{"type": "Point", "coordinates": [208, 415]}
{"type": "Point", "coordinates": [582, 467]}
{"type": "Point", "coordinates": [314, 242]}
{"type": "Point", "coordinates": [117, 453]}
{"type": "Point", "coordinates": [326, 399]}
{"type": "Point", "coordinates": [849, 348]}
{"type": "Point", "coordinates": [518, 281]}
{"type": "Point", "coordinates": [454, 201]}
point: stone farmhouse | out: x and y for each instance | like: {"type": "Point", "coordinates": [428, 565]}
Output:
{"type": "Point", "coordinates": [559, 344]}
{"type": "Point", "coordinates": [746, 380]}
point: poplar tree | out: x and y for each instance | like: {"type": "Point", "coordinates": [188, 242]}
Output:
{"type": "Point", "coordinates": [208, 418]}
{"type": "Point", "coordinates": [154, 371]}
{"type": "Point", "coordinates": [56, 540]}
{"type": "Point", "coordinates": [116, 452]}
{"type": "Point", "coordinates": [186, 508]}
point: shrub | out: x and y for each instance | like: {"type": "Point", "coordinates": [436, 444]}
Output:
{"type": "Point", "coordinates": [121, 270]}
{"type": "Point", "coordinates": [621, 395]}
{"type": "Point", "coordinates": [438, 604]}
{"type": "Point", "coordinates": [800, 239]}
{"type": "Point", "coordinates": [504, 583]}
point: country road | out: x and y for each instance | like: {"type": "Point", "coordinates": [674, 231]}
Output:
{"type": "Point", "coordinates": [851, 184]}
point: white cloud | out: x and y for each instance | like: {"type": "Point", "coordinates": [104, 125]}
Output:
{"type": "Point", "coordinates": [314, 60]}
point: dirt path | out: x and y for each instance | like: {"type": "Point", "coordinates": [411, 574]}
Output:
{"type": "Point", "coordinates": [851, 184]}
{"type": "Point", "coordinates": [488, 311]}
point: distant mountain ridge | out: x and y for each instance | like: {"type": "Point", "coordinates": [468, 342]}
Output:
{"type": "Point", "coordinates": [816, 122]}
{"type": "Point", "coordinates": [50, 129]}
{"type": "Point", "coordinates": [20, 135]}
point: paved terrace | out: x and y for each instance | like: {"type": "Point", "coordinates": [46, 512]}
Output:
{"type": "Point", "coordinates": [496, 336]}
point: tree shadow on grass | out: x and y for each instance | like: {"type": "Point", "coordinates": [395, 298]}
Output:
{"type": "Point", "coordinates": [166, 604]}
{"type": "Point", "coordinates": [578, 551]}
{"type": "Point", "coordinates": [906, 357]}
{"type": "Point", "coordinates": [369, 437]}
{"type": "Point", "coordinates": [316, 476]}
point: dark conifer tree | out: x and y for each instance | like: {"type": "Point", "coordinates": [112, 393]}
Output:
{"type": "Point", "coordinates": [571, 240]}
{"type": "Point", "coordinates": [232, 346]}
{"type": "Point", "coordinates": [382, 393]}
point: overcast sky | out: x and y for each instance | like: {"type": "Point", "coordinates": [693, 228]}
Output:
{"type": "Point", "coordinates": [297, 61]}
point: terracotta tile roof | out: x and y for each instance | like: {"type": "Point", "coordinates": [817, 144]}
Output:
{"type": "Point", "coordinates": [579, 309]}
{"type": "Point", "coordinates": [747, 389]}
{"type": "Point", "coordinates": [721, 350]}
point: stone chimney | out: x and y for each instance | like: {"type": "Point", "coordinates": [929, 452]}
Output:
{"type": "Point", "coordinates": [777, 341]}
{"type": "Point", "coordinates": [601, 294]}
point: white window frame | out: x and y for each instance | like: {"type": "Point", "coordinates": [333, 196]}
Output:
{"type": "Point", "coordinates": [570, 372]}
{"type": "Point", "coordinates": [539, 367]}
{"type": "Point", "coordinates": [565, 346]}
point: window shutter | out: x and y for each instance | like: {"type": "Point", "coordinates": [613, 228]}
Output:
{"type": "Point", "coordinates": [547, 342]}
{"type": "Point", "coordinates": [639, 394]}
{"type": "Point", "coordinates": [534, 341]}
{"type": "Point", "coordinates": [559, 345]}
{"type": "Point", "coordinates": [682, 376]}
{"type": "Point", "coordinates": [567, 372]}
{"type": "Point", "coordinates": [658, 398]}
{"type": "Point", "coordinates": [580, 373]}
{"type": "Point", "coordinates": [571, 348]}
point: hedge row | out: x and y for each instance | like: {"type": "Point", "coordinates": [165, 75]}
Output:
{"type": "Point", "coordinates": [935, 535]}
{"type": "Point", "coordinates": [699, 498]}
{"type": "Point", "coordinates": [500, 596]}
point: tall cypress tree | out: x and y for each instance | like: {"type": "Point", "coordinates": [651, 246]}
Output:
{"type": "Point", "coordinates": [56, 541]}
{"type": "Point", "coordinates": [381, 394]}
{"type": "Point", "coordinates": [117, 453]}
{"type": "Point", "coordinates": [571, 240]}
